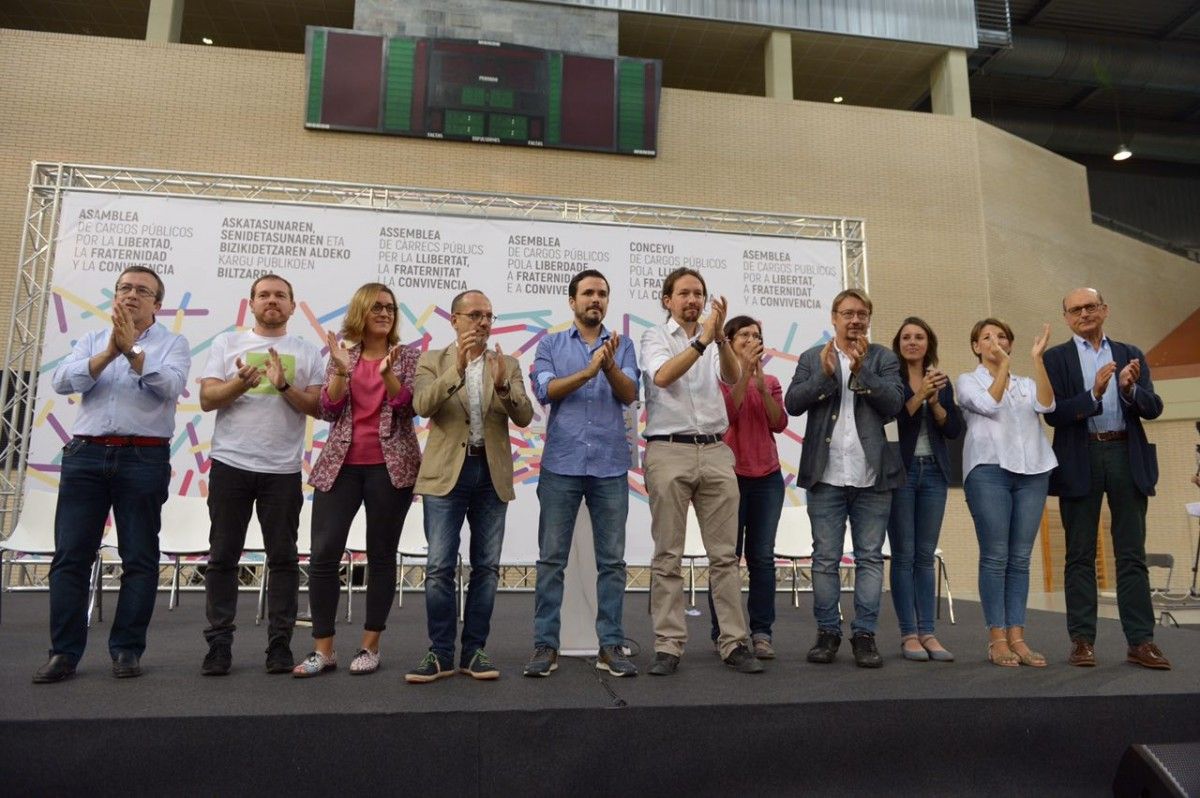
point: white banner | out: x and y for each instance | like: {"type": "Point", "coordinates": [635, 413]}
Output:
{"type": "Point", "coordinates": [209, 251]}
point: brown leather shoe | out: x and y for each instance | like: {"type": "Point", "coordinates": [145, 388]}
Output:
{"type": "Point", "coordinates": [1148, 655]}
{"type": "Point", "coordinates": [1082, 654]}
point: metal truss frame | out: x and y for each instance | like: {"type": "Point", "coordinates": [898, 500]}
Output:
{"type": "Point", "coordinates": [49, 181]}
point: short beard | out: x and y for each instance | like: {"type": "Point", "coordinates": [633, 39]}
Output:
{"type": "Point", "coordinates": [583, 319]}
{"type": "Point", "coordinates": [267, 325]}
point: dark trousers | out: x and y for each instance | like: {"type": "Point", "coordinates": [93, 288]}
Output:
{"type": "Point", "coordinates": [133, 482]}
{"type": "Point", "coordinates": [759, 509]}
{"type": "Point", "coordinates": [1081, 519]}
{"type": "Point", "coordinates": [333, 511]}
{"type": "Point", "coordinates": [232, 495]}
{"type": "Point", "coordinates": [473, 499]}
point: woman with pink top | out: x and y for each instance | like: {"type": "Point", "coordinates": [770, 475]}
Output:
{"type": "Point", "coordinates": [754, 405]}
{"type": "Point", "coordinates": [370, 459]}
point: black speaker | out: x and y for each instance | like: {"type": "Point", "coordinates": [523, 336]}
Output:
{"type": "Point", "coordinates": [1157, 771]}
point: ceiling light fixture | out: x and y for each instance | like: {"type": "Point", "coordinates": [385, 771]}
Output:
{"type": "Point", "coordinates": [838, 99]}
{"type": "Point", "coordinates": [1123, 153]}
{"type": "Point", "coordinates": [206, 40]}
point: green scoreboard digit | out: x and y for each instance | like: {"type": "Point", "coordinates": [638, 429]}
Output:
{"type": "Point", "coordinates": [481, 91]}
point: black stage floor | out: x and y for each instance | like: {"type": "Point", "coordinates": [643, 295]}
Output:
{"type": "Point", "coordinates": [956, 728]}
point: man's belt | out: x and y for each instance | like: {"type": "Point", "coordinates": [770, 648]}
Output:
{"type": "Point", "coordinates": [693, 439]}
{"type": "Point", "coordinates": [1115, 435]}
{"type": "Point", "coordinates": [476, 451]}
{"type": "Point", "coordinates": [123, 440]}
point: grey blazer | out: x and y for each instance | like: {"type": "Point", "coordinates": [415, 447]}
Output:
{"type": "Point", "coordinates": [879, 395]}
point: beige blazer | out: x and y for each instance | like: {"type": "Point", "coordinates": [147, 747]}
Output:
{"type": "Point", "coordinates": [440, 395]}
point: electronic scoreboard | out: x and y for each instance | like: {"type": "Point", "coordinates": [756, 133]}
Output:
{"type": "Point", "coordinates": [481, 91]}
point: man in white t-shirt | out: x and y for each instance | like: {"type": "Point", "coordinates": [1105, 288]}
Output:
{"type": "Point", "coordinates": [262, 382]}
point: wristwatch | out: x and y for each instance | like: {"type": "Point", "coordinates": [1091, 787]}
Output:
{"type": "Point", "coordinates": [133, 352]}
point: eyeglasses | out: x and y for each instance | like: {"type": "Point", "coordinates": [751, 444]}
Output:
{"type": "Point", "coordinates": [380, 307]}
{"type": "Point", "coordinates": [753, 336]}
{"type": "Point", "coordinates": [140, 290]}
{"type": "Point", "coordinates": [1089, 308]}
{"type": "Point", "coordinates": [477, 316]}
{"type": "Point", "coordinates": [850, 315]}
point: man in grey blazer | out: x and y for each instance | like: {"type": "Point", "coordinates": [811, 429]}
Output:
{"type": "Point", "coordinates": [850, 388]}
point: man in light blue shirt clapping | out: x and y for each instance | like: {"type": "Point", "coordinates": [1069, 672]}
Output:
{"type": "Point", "coordinates": [130, 377]}
{"type": "Point", "coordinates": [588, 375]}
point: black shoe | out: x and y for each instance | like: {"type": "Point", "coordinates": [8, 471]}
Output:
{"type": "Point", "coordinates": [57, 668]}
{"type": "Point", "coordinates": [543, 662]}
{"type": "Point", "coordinates": [742, 660]}
{"type": "Point", "coordinates": [126, 665]}
{"type": "Point", "coordinates": [218, 660]}
{"type": "Point", "coordinates": [866, 654]}
{"type": "Point", "coordinates": [279, 658]}
{"type": "Point", "coordinates": [664, 664]}
{"type": "Point", "coordinates": [825, 649]}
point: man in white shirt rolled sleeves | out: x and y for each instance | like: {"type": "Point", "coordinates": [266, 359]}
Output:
{"type": "Point", "coordinates": [688, 462]}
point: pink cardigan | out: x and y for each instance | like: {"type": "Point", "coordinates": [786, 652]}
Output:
{"type": "Point", "coordinates": [397, 437]}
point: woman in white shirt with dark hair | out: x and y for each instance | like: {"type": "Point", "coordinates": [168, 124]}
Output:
{"type": "Point", "coordinates": [1007, 462]}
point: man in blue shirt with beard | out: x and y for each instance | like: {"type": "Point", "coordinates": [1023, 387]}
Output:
{"type": "Point", "coordinates": [588, 375]}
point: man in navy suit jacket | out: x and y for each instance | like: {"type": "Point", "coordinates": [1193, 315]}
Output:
{"type": "Point", "coordinates": [1102, 391]}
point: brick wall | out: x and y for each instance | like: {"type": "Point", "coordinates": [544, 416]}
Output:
{"type": "Point", "coordinates": [962, 220]}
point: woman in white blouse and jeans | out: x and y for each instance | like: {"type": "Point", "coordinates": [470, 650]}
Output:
{"type": "Point", "coordinates": [1007, 461]}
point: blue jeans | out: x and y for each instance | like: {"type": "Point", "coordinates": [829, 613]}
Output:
{"type": "Point", "coordinates": [759, 508]}
{"type": "Point", "coordinates": [474, 498]}
{"type": "Point", "coordinates": [608, 507]}
{"type": "Point", "coordinates": [914, 527]}
{"type": "Point", "coordinates": [1007, 509]}
{"type": "Point", "coordinates": [133, 481]}
{"type": "Point", "coordinates": [829, 506]}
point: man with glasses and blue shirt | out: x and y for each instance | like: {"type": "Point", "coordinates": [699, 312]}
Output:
{"type": "Point", "coordinates": [469, 394]}
{"type": "Point", "coordinates": [129, 377]}
{"type": "Point", "coordinates": [1102, 391]}
{"type": "Point", "coordinates": [588, 375]}
{"type": "Point", "coordinates": [850, 388]}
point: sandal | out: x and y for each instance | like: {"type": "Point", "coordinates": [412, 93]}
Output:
{"type": "Point", "coordinates": [1007, 659]}
{"type": "Point", "coordinates": [938, 654]}
{"type": "Point", "coordinates": [918, 654]}
{"type": "Point", "coordinates": [1031, 658]}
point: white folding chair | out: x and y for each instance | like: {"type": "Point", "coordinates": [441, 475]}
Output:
{"type": "Point", "coordinates": [303, 552]}
{"type": "Point", "coordinates": [413, 546]}
{"type": "Point", "coordinates": [693, 549]}
{"type": "Point", "coordinates": [943, 576]}
{"type": "Point", "coordinates": [185, 527]}
{"type": "Point", "coordinates": [356, 546]}
{"type": "Point", "coordinates": [32, 544]}
{"type": "Point", "coordinates": [254, 555]}
{"type": "Point", "coordinates": [794, 543]}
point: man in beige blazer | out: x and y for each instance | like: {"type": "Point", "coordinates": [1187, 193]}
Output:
{"type": "Point", "coordinates": [469, 394]}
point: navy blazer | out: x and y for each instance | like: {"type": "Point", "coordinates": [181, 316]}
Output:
{"type": "Point", "coordinates": [910, 426]}
{"type": "Point", "coordinates": [876, 402]}
{"type": "Point", "coordinates": [1074, 405]}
